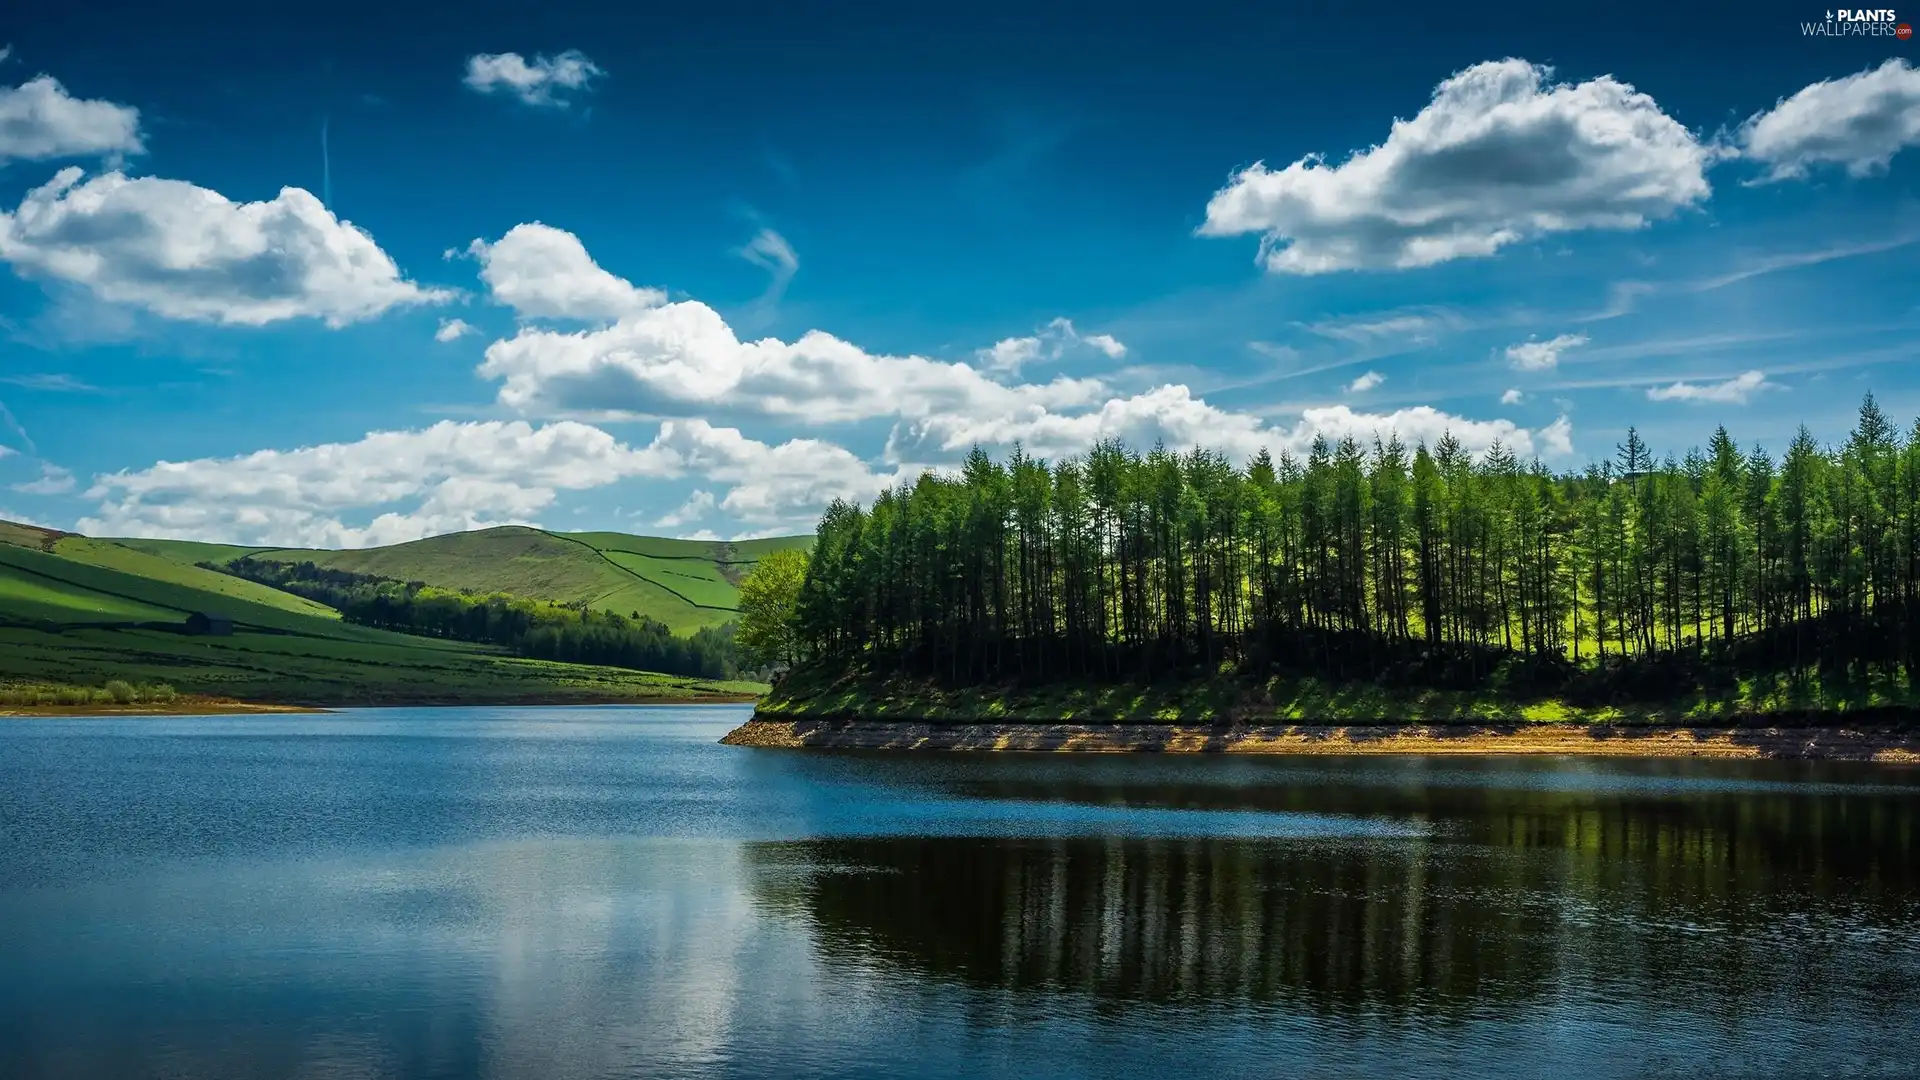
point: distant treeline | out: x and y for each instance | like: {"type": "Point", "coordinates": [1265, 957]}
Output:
{"type": "Point", "coordinates": [1406, 564]}
{"type": "Point", "coordinates": [535, 628]}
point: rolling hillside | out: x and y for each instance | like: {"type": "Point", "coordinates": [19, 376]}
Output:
{"type": "Point", "coordinates": [686, 584]}
{"type": "Point", "coordinates": [75, 610]}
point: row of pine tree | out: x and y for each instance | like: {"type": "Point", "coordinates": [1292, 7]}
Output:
{"type": "Point", "coordinates": [1371, 561]}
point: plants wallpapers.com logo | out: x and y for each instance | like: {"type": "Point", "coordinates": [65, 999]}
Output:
{"type": "Point", "coordinates": [1859, 22]}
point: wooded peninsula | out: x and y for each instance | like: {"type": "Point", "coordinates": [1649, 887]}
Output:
{"type": "Point", "coordinates": [1372, 581]}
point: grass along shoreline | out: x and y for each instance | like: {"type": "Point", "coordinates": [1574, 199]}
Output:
{"type": "Point", "coordinates": [819, 694]}
{"type": "Point", "coordinates": [1778, 718]}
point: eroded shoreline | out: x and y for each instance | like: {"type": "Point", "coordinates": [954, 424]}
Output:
{"type": "Point", "coordinates": [1898, 746]}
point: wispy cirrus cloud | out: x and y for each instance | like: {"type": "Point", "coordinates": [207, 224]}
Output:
{"type": "Point", "coordinates": [1624, 297]}
{"type": "Point", "coordinates": [1413, 325]}
{"type": "Point", "coordinates": [51, 382]}
{"type": "Point", "coordinates": [1735, 391]}
{"type": "Point", "coordinates": [771, 252]}
{"type": "Point", "coordinates": [53, 480]}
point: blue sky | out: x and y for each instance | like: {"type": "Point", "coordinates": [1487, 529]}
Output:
{"type": "Point", "coordinates": [713, 269]}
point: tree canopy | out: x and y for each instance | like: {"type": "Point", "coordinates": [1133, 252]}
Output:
{"type": "Point", "coordinates": [1379, 561]}
{"type": "Point", "coordinates": [769, 599]}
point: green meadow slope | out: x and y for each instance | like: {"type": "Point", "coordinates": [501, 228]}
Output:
{"type": "Point", "coordinates": [80, 611]}
{"type": "Point", "coordinates": [686, 584]}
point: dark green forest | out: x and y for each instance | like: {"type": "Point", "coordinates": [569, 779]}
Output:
{"type": "Point", "coordinates": [1423, 566]}
{"type": "Point", "coordinates": [533, 628]}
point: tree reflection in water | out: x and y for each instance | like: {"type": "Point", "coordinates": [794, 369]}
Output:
{"type": "Point", "coordinates": [1717, 901]}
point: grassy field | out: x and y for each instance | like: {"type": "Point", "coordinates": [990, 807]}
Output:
{"type": "Point", "coordinates": [818, 694]}
{"type": "Point", "coordinates": [34, 599]}
{"type": "Point", "coordinates": [686, 584]}
{"type": "Point", "coordinates": [283, 668]}
{"type": "Point", "coordinates": [109, 556]}
{"type": "Point", "coordinates": [80, 615]}
{"type": "Point", "coordinates": [190, 552]}
{"type": "Point", "coordinates": [94, 585]}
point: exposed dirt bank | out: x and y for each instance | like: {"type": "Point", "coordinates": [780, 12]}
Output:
{"type": "Point", "coordinates": [1837, 744]}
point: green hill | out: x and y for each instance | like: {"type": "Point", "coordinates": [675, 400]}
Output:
{"type": "Point", "coordinates": [686, 584]}
{"type": "Point", "coordinates": [79, 611]}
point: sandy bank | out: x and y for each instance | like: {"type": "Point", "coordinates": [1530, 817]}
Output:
{"type": "Point", "coordinates": [1837, 744]}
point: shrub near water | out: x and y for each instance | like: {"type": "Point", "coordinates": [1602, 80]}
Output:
{"type": "Point", "coordinates": [115, 692]}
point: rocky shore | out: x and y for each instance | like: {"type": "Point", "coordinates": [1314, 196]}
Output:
{"type": "Point", "coordinates": [1826, 743]}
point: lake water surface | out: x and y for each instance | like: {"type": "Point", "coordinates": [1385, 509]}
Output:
{"type": "Point", "coordinates": [542, 893]}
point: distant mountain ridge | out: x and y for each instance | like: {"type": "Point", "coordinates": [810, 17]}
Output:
{"type": "Point", "coordinates": [78, 611]}
{"type": "Point", "coordinates": [686, 584]}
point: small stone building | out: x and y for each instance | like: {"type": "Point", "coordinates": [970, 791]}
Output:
{"type": "Point", "coordinates": [211, 625]}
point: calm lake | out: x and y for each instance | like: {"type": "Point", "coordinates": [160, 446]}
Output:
{"type": "Point", "coordinates": [543, 893]}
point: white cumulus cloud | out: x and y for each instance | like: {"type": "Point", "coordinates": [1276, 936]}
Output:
{"type": "Point", "coordinates": [1050, 342]}
{"type": "Point", "coordinates": [1513, 396]}
{"type": "Point", "coordinates": [1542, 355]}
{"type": "Point", "coordinates": [40, 121]}
{"type": "Point", "coordinates": [646, 355]}
{"type": "Point", "coordinates": [452, 330]}
{"type": "Point", "coordinates": [1172, 415]}
{"type": "Point", "coordinates": [545, 273]}
{"type": "Point", "coordinates": [698, 505]}
{"type": "Point", "coordinates": [1500, 155]}
{"type": "Point", "coordinates": [1009, 355]}
{"type": "Point", "coordinates": [1735, 391]}
{"type": "Point", "coordinates": [1859, 122]}
{"type": "Point", "coordinates": [542, 81]}
{"type": "Point", "coordinates": [1366, 382]}
{"type": "Point", "coordinates": [1556, 439]}
{"type": "Point", "coordinates": [186, 252]}
{"type": "Point", "coordinates": [468, 475]}
{"type": "Point", "coordinates": [444, 478]}
{"type": "Point", "coordinates": [684, 355]}
{"type": "Point", "coordinates": [789, 483]}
